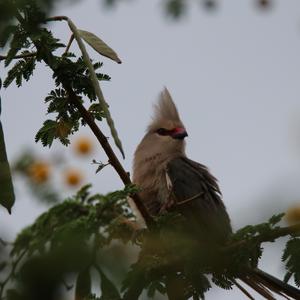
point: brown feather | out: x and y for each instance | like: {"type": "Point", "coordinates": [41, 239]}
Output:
{"type": "Point", "coordinates": [154, 152]}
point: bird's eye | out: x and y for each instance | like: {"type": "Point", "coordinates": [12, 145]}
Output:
{"type": "Point", "coordinates": [162, 131]}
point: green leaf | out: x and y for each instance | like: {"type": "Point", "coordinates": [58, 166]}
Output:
{"type": "Point", "coordinates": [47, 133]}
{"type": "Point", "coordinates": [291, 257]}
{"type": "Point", "coordinates": [54, 130]}
{"type": "Point", "coordinates": [83, 285]}
{"type": "Point", "coordinates": [18, 41]}
{"type": "Point", "coordinates": [276, 219]}
{"type": "Point", "coordinates": [22, 69]}
{"type": "Point", "coordinates": [7, 195]}
{"type": "Point", "coordinates": [108, 289]}
{"type": "Point", "coordinates": [98, 45]}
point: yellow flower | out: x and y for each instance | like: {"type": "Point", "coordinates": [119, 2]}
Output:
{"type": "Point", "coordinates": [84, 146]}
{"type": "Point", "coordinates": [292, 215]}
{"type": "Point", "coordinates": [73, 177]}
{"type": "Point", "coordinates": [39, 171]}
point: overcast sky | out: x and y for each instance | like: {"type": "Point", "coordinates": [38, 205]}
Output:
{"type": "Point", "coordinates": [234, 75]}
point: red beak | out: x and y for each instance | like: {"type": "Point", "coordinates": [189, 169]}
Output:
{"type": "Point", "coordinates": [179, 133]}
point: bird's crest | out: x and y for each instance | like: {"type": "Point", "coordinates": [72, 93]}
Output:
{"type": "Point", "coordinates": [165, 111]}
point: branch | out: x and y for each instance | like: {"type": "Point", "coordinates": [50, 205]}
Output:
{"type": "Point", "coordinates": [69, 44]}
{"type": "Point", "coordinates": [25, 55]}
{"type": "Point", "coordinates": [93, 77]}
{"type": "Point", "coordinates": [12, 272]}
{"type": "Point", "coordinates": [96, 85]}
{"type": "Point", "coordinates": [113, 160]}
{"type": "Point", "coordinates": [268, 237]}
{"type": "Point", "coordinates": [56, 18]}
{"type": "Point", "coordinates": [48, 59]}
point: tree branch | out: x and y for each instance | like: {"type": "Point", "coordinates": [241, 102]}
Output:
{"type": "Point", "coordinates": [114, 161]}
{"type": "Point", "coordinates": [25, 55]}
{"type": "Point", "coordinates": [56, 18]}
{"type": "Point", "coordinates": [69, 44]}
{"type": "Point", "coordinates": [269, 237]}
{"type": "Point", "coordinates": [96, 85]}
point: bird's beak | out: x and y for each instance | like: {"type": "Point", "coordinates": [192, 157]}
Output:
{"type": "Point", "coordinates": [179, 134]}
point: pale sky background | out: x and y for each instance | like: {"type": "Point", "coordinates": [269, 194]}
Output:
{"type": "Point", "coordinates": [234, 74]}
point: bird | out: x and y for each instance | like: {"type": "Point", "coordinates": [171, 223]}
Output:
{"type": "Point", "coordinates": [170, 181]}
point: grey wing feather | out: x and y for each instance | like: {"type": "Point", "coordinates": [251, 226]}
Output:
{"type": "Point", "coordinates": [198, 198]}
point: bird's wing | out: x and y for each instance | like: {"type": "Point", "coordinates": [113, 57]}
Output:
{"type": "Point", "coordinates": [197, 196]}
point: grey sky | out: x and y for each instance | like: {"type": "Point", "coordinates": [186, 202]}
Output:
{"type": "Point", "coordinates": [234, 75]}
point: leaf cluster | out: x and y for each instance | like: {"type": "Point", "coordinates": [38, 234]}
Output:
{"type": "Point", "coordinates": [68, 119]}
{"type": "Point", "coordinates": [291, 257]}
{"type": "Point", "coordinates": [250, 251]}
{"type": "Point", "coordinates": [73, 236]}
{"type": "Point", "coordinates": [68, 239]}
{"type": "Point", "coordinates": [172, 250]}
{"type": "Point", "coordinates": [77, 74]}
{"type": "Point", "coordinates": [23, 69]}
{"type": "Point", "coordinates": [66, 67]}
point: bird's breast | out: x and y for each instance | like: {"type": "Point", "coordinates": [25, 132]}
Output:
{"type": "Point", "coordinates": [150, 177]}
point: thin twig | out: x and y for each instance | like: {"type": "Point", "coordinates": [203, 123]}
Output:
{"type": "Point", "coordinates": [94, 79]}
{"type": "Point", "coordinates": [11, 273]}
{"type": "Point", "coordinates": [96, 85]}
{"type": "Point", "coordinates": [268, 237]}
{"type": "Point", "coordinates": [69, 44]}
{"type": "Point", "coordinates": [57, 18]}
{"type": "Point", "coordinates": [95, 129]}
{"type": "Point", "coordinates": [109, 152]}
{"type": "Point", "coordinates": [25, 55]}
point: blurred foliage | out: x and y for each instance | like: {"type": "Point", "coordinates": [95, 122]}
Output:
{"type": "Point", "coordinates": [70, 243]}
{"type": "Point", "coordinates": [68, 238]}
{"type": "Point", "coordinates": [47, 177]}
{"type": "Point", "coordinates": [179, 8]}
{"type": "Point", "coordinates": [173, 8]}
{"type": "Point", "coordinates": [7, 195]}
{"type": "Point", "coordinates": [72, 238]}
{"type": "Point", "coordinates": [36, 173]}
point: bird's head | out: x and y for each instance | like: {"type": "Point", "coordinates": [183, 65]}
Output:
{"type": "Point", "coordinates": [166, 132]}
{"type": "Point", "coordinates": [164, 140]}
{"type": "Point", "coordinates": [166, 124]}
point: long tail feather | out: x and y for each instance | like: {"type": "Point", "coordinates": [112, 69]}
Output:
{"type": "Point", "coordinates": [266, 284]}
{"type": "Point", "coordinates": [243, 290]}
{"type": "Point", "coordinates": [258, 287]}
{"type": "Point", "coordinates": [277, 285]}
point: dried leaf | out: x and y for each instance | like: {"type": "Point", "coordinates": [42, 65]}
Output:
{"type": "Point", "coordinates": [97, 44]}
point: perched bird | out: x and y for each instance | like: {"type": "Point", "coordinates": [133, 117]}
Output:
{"type": "Point", "coordinates": [168, 180]}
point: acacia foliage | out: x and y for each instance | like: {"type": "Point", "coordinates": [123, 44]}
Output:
{"type": "Point", "coordinates": [68, 245]}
